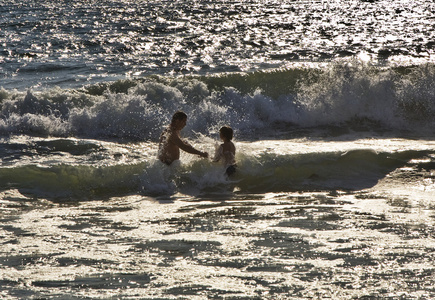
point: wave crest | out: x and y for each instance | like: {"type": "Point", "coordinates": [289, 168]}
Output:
{"type": "Point", "coordinates": [340, 93]}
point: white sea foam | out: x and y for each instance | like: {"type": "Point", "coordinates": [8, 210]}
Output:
{"type": "Point", "coordinates": [350, 94]}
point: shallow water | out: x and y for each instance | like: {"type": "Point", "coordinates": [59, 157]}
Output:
{"type": "Point", "coordinates": [303, 245]}
{"type": "Point", "coordinates": [219, 238]}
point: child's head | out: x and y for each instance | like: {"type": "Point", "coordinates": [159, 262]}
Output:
{"type": "Point", "coordinates": [179, 115]}
{"type": "Point", "coordinates": [226, 133]}
{"type": "Point", "coordinates": [179, 120]}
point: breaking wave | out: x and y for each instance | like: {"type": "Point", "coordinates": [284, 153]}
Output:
{"type": "Point", "coordinates": [268, 172]}
{"type": "Point", "coordinates": [352, 94]}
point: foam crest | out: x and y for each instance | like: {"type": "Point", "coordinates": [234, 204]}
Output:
{"type": "Point", "coordinates": [71, 168]}
{"type": "Point", "coordinates": [354, 92]}
{"type": "Point", "coordinates": [340, 93]}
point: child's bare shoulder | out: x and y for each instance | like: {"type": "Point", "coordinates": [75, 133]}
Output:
{"type": "Point", "coordinates": [228, 147]}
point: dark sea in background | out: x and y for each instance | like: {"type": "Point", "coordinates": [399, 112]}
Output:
{"type": "Point", "coordinates": [332, 104]}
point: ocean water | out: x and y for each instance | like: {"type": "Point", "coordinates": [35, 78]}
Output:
{"type": "Point", "coordinates": [332, 104]}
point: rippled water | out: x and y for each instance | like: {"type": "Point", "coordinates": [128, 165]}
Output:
{"type": "Point", "coordinates": [107, 223]}
{"type": "Point", "coordinates": [74, 43]}
{"type": "Point", "coordinates": [310, 245]}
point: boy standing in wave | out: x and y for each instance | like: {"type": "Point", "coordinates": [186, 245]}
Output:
{"type": "Point", "coordinates": [227, 150]}
{"type": "Point", "coordinates": [171, 142]}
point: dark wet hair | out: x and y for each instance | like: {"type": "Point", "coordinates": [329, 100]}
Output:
{"type": "Point", "coordinates": [227, 132]}
{"type": "Point", "coordinates": [179, 115]}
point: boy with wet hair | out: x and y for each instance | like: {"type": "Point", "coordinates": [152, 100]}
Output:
{"type": "Point", "coordinates": [226, 151]}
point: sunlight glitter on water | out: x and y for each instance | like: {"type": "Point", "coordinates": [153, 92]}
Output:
{"type": "Point", "coordinates": [63, 43]}
{"type": "Point", "coordinates": [284, 244]}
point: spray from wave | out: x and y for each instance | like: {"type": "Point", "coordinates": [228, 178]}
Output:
{"type": "Point", "coordinates": [350, 94]}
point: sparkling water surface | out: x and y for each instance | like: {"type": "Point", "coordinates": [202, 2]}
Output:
{"type": "Point", "coordinates": [75, 43]}
{"type": "Point", "coordinates": [91, 232]}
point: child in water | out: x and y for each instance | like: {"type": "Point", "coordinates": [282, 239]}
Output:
{"type": "Point", "coordinates": [227, 150]}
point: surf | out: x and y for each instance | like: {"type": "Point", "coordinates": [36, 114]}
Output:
{"type": "Point", "coordinates": [86, 170]}
{"type": "Point", "coordinates": [341, 94]}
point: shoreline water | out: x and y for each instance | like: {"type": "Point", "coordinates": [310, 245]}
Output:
{"type": "Point", "coordinates": [299, 245]}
